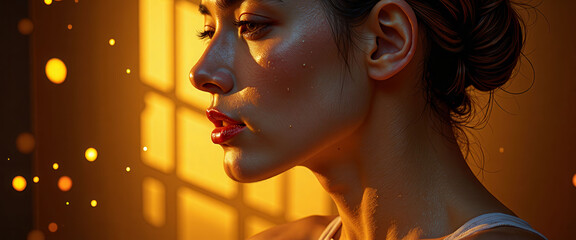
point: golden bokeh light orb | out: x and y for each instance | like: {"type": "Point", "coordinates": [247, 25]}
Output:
{"type": "Point", "coordinates": [36, 179]}
{"type": "Point", "coordinates": [93, 203]}
{"type": "Point", "coordinates": [128, 169]}
{"type": "Point", "coordinates": [55, 166]}
{"type": "Point", "coordinates": [25, 26]}
{"type": "Point", "coordinates": [65, 183]}
{"type": "Point", "coordinates": [48, 2]}
{"type": "Point", "coordinates": [56, 70]}
{"type": "Point", "coordinates": [19, 183]}
{"type": "Point", "coordinates": [25, 143]}
{"type": "Point", "coordinates": [35, 235]}
{"type": "Point", "coordinates": [52, 227]}
{"type": "Point", "coordinates": [574, 180]}
{"type": "Point", "coordinates": [112, 42]}
{"type": "Point", "coordinates": [91, 154]}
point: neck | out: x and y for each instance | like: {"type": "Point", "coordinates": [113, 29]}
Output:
{"type": "Point", "coordinates": [401, 176]}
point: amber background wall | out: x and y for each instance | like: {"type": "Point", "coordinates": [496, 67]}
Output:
{"type": "Point", "coordinates": [175, 187]}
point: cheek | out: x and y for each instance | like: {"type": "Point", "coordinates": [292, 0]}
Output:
{"type": "Point", "coordinates": [294, 64]}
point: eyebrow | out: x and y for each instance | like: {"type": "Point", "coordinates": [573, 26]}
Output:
{"type": "Point", "coordinates": [222, 4]}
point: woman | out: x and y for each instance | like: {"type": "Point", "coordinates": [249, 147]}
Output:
{"type": "Point", "coordinates": [371, 97]}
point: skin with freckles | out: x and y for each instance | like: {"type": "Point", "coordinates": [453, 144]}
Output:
{"type": "Point", "coordinates": [392, 168]}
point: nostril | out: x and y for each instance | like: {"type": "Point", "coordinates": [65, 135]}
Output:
{"type": "Point", "coordinates": [220, 81]}
{"type": "Point", "coordinates": [211, 87]}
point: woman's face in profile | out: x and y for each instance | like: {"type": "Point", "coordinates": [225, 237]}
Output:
{"type": "Point", "coordinates": [274, 66]}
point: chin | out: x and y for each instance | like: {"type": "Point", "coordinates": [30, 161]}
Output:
{"type": "Point", "coordinates": [246, 169]}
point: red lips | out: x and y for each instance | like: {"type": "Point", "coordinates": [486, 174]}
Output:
{"type": "Point", "coordinates": [226, 127]}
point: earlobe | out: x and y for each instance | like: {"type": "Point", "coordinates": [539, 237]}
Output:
{"type": "Point", "coordinates": [392, 38]}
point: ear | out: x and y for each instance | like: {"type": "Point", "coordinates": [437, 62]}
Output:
{"type": "Point", "coordinates": [391, 30]}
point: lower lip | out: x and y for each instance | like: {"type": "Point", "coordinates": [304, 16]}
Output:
{"type": "Point", "coordinates": [222, 134]}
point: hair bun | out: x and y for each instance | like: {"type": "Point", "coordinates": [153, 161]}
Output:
{"type": "Point", "coordinates": [492, 46]}
{"type": "Point", "coordinates": [472, 43]}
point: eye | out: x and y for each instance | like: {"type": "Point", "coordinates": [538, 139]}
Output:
{"type": "Point", "coordinates": [252, 30]}
{"type": "Point", "coordinates": [253, 26]}
{"type": "Point", "coordinates": [207, 33]}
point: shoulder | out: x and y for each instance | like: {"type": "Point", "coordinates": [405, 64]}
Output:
{"type": "Point", "coordinates": [505, 233]}
{"type": "Point", "coordinates": [302, 229]}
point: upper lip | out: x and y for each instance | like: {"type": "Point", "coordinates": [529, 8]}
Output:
{"type": "Point", "coordinates": [219, 119]}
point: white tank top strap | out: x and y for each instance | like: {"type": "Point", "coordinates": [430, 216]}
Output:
{"type": "Point", "coordinates": [489, 221]}
{"type": "Point", "coordinates": [475, 225]}
{"type": "Point", "coordinates": [331, 229]}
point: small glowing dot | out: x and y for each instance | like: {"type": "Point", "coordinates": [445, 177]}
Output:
{"type": "Point", "coordinates": [501, 150]}
{"type": "Point", "coordinates": [36, 179]}
{"type": "Point", "coordinates": [145, 149]}
{"type": "Point", "coordinates": [112, 42]}
{"type": "Point", "coordinates": [48, 2]}
{"type": "Point", "coordinates": [25, 26]}
{"type": "Point", "coordinates": [69, 26]}
{"type": "Point", "coordinates": [52, 227]}
{"type": "Point", "coordinates": [55, 166]}
{"type": "Point", "coordinates": [25, 143]}
{"type": "Point", "coordinates": [128, 71]}
{"type": "Point", "coordinates": [8, 159]}
{"type": "Point", "coordinates": [128, 169]}
{"type": "Point", "coordinates": [19, 183]}
{"type": "Point", "coordinates": [67, 203]}
{"type": "Point", "coordinates": [65, 183]}
{"type": "Point", "coordinates": [93, 203]}
{"type": "Point", "coordinates": [56, 70]}
{"type": "Point", "coordinates": [574, 180]}
{"type": "Point", "coordinates": [91, 154]}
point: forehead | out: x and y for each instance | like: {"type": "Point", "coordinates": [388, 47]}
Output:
{"type": "Point", "coordinates": [227, 4]}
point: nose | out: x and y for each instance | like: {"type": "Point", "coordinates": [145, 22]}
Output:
{"type": "Point", "coordinates": [212, 71]}
{"type": "Point", "coordinates": [220, 81]}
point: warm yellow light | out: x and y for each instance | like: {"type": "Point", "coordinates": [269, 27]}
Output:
{"type": "Point", "coordinates": [8, 159]}
{"type": "Point", "coordinates": [67, 203]}
{"type": "Point", "coordinates": [65, 183]}
{"type": "Point", "coordinates": [128, 169]}
{"type": "Point", "coordinates": [128, 71]}
{"type": "Point", "coordinates": [154, 201]}
{"type": "Point", "coordinates": [56, 70]}
{"type": "Point", "coordinates": [69, 26]}
{"type": "Point", "coordinates": [574, 180]}
{"type": "Point", "coordinates": [55, 166]}
{"type": "Point", "coordinates": [112, 42]}
{"type": "Point", "coordinates": [93, 203]}
{"type": "Point", "coordinates": [52, 227]}
{"type": "Point", "coordinates": [48, 2]}
{"type": "Point", "coordinates": [36, 179]}
{"type": "Point", "coordinates": [91, 154]}
{"type": "Point", "coordinates": [501, 150]}
{"type": "Point", "coordinates": [19, 183]}
{"type": "Point", "coordinates": [25, 143]}
{"type": "Point", "coordinates": [145, 149]}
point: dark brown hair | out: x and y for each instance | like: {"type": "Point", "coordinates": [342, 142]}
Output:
{"type": "Point", "coordinates": [470, 43]}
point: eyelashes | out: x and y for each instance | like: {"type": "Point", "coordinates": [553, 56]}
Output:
{"type": "Point", "coordinates": [250, 30]}
{"type": "Point", "coordinates": [206, 34]}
